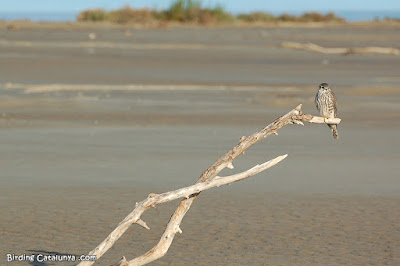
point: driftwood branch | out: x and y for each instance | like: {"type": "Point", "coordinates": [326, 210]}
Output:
{"type": "Point", "coordinates": [166, 240]}
{"type": "Point", "coordinates": [340, 50]}
{"type": "Point", "coordinates": [207, 180]}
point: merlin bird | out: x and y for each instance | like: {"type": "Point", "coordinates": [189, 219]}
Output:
{"type": "Point", "coordinates": [325, 100]}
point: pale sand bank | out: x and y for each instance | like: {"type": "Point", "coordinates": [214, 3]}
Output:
{"type": "Point", "coordinates": [88, 129]}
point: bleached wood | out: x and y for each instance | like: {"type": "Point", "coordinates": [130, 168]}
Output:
{"type": "Point", "coordinates": [142, 224]}
{"type": "Point", "coordinates": [374, 50]}
{"type": "Point", "coordinates": [207, 180]}
{"type": "Point", "coordinates": [340, 50]}
{"type": "Point", "coordinates": [186, 192]}
{"type": "Point", "coordinates": [322, 120]}
{"type": "Point", "coordinates": [166, 240]}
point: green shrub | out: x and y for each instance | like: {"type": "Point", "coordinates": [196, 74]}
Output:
{"type": "Point", "coordinates": [317, 17]}
{"type": "Point", "coordinates": [332, 17]}
{"type": "Point", "coordinates": [257, 17]}
{"type": "Point", "coordinates": [220, 15]}
{"type": "Point", "coordinates": [93, 15]}
{"type": "Point", "coordinates": [192, 11]}
{"type": "Point", "coordinates": [311, 17]}
{"type": "Point", "coordinates": [285, 17]}
{"type": "Point", "coordinates": [183, 10]}
{"type": "Point", "coordinates": [129, 15]}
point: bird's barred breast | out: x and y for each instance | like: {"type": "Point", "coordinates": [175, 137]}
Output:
{"type": "Point", "coordinates": [324, 104]}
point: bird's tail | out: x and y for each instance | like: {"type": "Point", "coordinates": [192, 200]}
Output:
{"type": "Point", "coordinates": [334, 130]}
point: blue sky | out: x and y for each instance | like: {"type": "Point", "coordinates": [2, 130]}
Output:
{"type": "Point", "coordinates": [235, 6]}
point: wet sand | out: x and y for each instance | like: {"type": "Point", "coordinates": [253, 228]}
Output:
{"type": "Point", "coordinates": [89, 127]}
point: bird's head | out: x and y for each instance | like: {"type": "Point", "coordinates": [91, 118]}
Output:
{"type": "Point", "coordinates": [324, 86]}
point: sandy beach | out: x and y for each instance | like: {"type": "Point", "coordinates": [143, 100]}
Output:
{"type": "Point", "coordinates": [93, 120]}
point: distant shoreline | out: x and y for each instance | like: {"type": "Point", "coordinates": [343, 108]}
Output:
{"type": "Point", "coordinates": [350, 15]}
{"type": "Point", "coordinates": [31, 25]}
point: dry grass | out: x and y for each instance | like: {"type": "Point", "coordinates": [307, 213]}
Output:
{"type": "Point", "coordinates": [183, 11]}
{"type": "Point", "coordinates": [190, 11]}
{"type": "Point", "coordinates": [129, 15]}
{"type": "Point", "coordinates": [93, 15]}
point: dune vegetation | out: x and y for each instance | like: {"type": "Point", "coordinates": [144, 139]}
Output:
{"type": "Point", "coordinates": [194, 12]}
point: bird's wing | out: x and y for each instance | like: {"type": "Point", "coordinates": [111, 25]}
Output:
{"type": "Point", "coordinates": [334, 102]}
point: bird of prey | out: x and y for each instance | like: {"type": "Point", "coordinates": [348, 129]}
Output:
{"type": "Point", "coordinates": [325, 100]}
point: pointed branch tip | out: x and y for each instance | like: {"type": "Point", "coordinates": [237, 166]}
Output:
{"type": "Point", "coordinates": [142, 223]}
{"type": "Point", "coordinates": [230, 165]}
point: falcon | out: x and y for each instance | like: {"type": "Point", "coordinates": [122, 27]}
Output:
{"type": "Point", "coordinates": [325, 100]}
